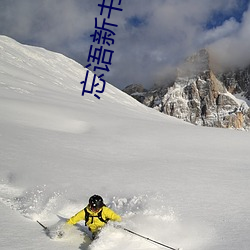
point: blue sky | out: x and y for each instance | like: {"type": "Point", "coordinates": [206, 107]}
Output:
{"type": "Point", "coordinates": [152, 37]}
{"type": "Point", "coordinates": [218, 17]}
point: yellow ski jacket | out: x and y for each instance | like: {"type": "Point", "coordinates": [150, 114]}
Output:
{"type": "Point", "coordinates": [94, 223]}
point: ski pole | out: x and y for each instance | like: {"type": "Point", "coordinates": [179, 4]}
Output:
{"type": "Point", "coordinates": [146, 238]}
{"type": "Point", "coordinates": [45, 228]}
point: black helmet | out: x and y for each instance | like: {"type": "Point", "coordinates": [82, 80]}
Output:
{"type": "Point", "coordinates": [96, 202]}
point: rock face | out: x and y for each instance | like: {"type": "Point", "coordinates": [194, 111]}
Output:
{"type": "Point", "coordinates": [237, 81]}
{"type": "Point", "coordinates": [137, 91]}
{"type": "Point", "coordinates": [201, 97]}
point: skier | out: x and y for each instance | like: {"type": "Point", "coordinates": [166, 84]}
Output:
{"type": "Point", "coordinates": [95, 214]}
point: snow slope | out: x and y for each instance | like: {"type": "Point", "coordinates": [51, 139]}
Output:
{"type": "Point", "coordinates": [176, 183]}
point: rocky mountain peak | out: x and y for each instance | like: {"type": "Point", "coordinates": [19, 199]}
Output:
{"type": "Point", "coordinates": [202, 97]}
{"type": "Point", "coordinates": [196, 64]}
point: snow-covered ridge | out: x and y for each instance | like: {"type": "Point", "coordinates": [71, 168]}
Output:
{"type": "Point", "coordinates": [40, 70]}
{"type": "Point", "coordinates": [38, 74]}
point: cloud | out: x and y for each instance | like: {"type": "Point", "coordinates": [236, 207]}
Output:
{"type": "Point", "coordinates": [54, 24]}
{"type": "Point", "coordinates": [151, 38]}
{"type": "Point", "coordinates": [228, 28]}
{"type": "Point", "coordinates": [233, 49]}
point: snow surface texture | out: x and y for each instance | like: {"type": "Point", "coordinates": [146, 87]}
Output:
{"type": "Point", "coordinates": [181, 185]}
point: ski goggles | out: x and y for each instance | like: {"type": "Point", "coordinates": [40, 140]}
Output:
{"type": "Point", "coordinates": [94, 208]}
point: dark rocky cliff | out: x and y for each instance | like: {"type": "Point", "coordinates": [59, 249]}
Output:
{"type": "Point", "coordinates": [200, 96]}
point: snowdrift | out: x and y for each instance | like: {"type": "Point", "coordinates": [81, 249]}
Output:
{"type": "Point", "coordinates": [182, 185]}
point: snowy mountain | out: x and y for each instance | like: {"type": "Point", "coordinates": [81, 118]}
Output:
{"type": "Point", "coordinates": [182, 185]}
{"type": "Point", "coordinates": [201, 96]}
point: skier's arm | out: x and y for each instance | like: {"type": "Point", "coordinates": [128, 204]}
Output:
{"type": "Point", "coordinates": [77, 217]}
{"type": "Point", "coordinates": [110, 214]}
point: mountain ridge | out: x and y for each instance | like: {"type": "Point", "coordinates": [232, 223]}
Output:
{"type": "Point", "coordinates": [200, 95]}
